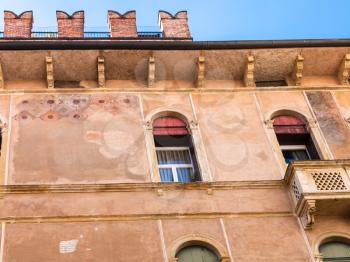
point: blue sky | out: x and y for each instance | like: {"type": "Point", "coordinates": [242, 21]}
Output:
{"type": "Point", "coordinates": [209, 19]}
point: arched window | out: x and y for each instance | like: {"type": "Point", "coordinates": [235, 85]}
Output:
{"type": "Point", "coordinates": [335, 251]}
{"type": "Point", "coordinates": [294, 139]}
{"type": "Point", "coordinates": [196, 253]}
{"type": "Point", "coordinates": [174, 148]}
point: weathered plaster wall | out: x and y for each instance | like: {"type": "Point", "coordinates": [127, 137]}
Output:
{"type": "Point", "coordinates": [4, 108]}
{"type": "Point", "coordinates": [276, 100]}
{"type": "Point", "coordinates": [77, 139]}
{"type": "Point", "coordinates": [249, 239]}
{"type": "Point", "coordinates": [98, 241]}
{"type": "Point", "coordinates": [87, 138]}
{"type": "Point", "coordinates": [146, 203]}
{"type": "Point", "coordinates": [266, 239]}
{"type": "Point", "coordinates": [166, 102]}
{"type": "Point", "coordinates": [234, 137]}
{"type": "Point", "coordinates": [174, 229]}
{"type": "Point", "coordinates": [342, 99]}
{"type": "Point", "coordinates": [331, 122]}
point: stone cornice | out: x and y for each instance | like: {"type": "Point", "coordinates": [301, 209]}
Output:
{"type": "Point", "coordinates": [135, 217]}
{"type": "Point", "coordinates": [132, 187]}
{"type": "Point", "coordinates": [170, 90]}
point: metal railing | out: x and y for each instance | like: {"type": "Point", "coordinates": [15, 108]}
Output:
{"type": "Point", "coordinates": [44, 35]}
{"type": "Point", "coordinates": [143, 32]}
{"type": "Point", "coordinates": [97, 35]}
{"type": "Point", "coordinates": [149, 34]}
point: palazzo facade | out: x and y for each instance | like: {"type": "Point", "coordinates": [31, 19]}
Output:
{"type": "Point", "coordinates": [149, 146]}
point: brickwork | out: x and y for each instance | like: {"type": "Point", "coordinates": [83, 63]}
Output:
{"type": "Point", "coordinates": [70, 25]}
{"type": "Point", "coordinates": [18, 25]}
{"type": "Point", "coordinates": [122, 25]}
{"type": "Point", "coordinates": [174, 26]}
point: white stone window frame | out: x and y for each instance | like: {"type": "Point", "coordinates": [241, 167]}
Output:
{"type": "Point", "coordinates": [4, 150]}
{"type": "Point", "coordinates": [294, 148]}
{"type": "Point", "coordinates": [193, 127]}
{"type": "Point", "coordinates": [174, 167]}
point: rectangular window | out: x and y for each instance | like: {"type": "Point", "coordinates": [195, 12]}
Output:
{"type": "Point", "coordinates": [271, 83]}
{"type": "Point", "coordinates": [175, 164]}
{"type": "Point", "coordinates": [294, 152]}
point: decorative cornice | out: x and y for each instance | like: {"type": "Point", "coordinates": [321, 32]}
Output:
{"type": "Point", "coordinates": [164, 90]}
{"type": "Point", "coordinates": [135, 217]}
{"type": "Point", "coordinates": [131, 187]}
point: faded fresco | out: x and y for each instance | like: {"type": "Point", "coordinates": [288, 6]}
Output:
{"type": "Point", "coordinates": [331, 122]}
{"type": "Point", "coordinates": [234, 138]}
{"type": "Point", "coordinates": [77, 139]}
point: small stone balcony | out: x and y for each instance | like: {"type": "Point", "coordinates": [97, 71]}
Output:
{"type": "Point", "coordinates": [319, 188]}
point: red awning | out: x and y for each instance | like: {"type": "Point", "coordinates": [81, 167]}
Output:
{"type": "Point", "coordinates": [169, 126]}
{"type": "Point", "coordinates": [289, 125]}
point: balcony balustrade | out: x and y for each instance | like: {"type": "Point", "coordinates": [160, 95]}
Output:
{"type": "Point", "coordinates": [319, 187]}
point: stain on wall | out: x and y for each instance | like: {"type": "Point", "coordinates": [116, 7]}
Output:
{"type": "Point", "coordinates": [331, 122]}
{"type": "Point", "coordinates": [99, 241]}
{"type": "Point", "coordinates": [233, 135]}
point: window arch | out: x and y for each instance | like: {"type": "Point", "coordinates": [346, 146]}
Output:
{"type": "Point", "coordinates": [176, 156]}
{"type": "Point", "coordinates": [294, 138]}
{"type": "Point", "coordinates": [197, 245]}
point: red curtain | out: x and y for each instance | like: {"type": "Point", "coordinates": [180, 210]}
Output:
{"type": "Point", "coordinates": [289, 125]}
{"type": "Point", "coordinates": [169, 126]}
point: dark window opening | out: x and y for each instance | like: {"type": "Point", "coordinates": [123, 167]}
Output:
{"type": "Point", "coordinates": [294, 139]}
{"type": "Point", "coordinates": [176, 155]}
{"type": "Point", "coordinates": [67, 84]}
{"type": "Point", "coordinates": [270, 83]}
{"type": "Point", "coordinates": [297, 147]}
